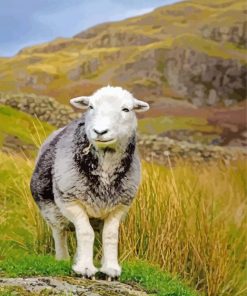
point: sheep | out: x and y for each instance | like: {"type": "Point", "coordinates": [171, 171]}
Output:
{"type": "Point", "coordinates": [90, 170]}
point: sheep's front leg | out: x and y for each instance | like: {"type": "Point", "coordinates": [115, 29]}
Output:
{"type": "Point", "coordinates": [110, 264]}
{"type": "Point", "coordinates": [84, 235]}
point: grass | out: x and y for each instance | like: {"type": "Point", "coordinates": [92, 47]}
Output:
{"type": "Point", "coordinates": [21, 226]}
{"type": "Point", "coordinates": [21, 126]}
{"type": "Point", "coordinates": [149, 277]}
{"type": "Point", "coordinates": [162, 124]}
{"type": "Point", "coordinates": [190, 221]}
{"type": "Point", "coordinates": [196, 128]}
{"type": "Point", "coordinates": [211, 48]}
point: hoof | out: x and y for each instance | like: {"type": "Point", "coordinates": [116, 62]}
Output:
{"type": "Point", "coordinates": [85, 271]}
{"type": "Point", "coordinates": [111, 271]}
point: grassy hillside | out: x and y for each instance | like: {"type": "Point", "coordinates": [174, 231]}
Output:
{"type": "Point", "coordinates": [18, 130]}
{"type": "Point", "coordinates": [131, 52]}
{"type": "Point", "coordinates": [189, 220]}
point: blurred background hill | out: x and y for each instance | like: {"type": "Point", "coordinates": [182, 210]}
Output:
{"type": "Point", "coordinates": [187, 59]}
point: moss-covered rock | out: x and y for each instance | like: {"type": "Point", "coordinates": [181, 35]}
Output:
{"type": "Point", "coordinates": [65, 286]}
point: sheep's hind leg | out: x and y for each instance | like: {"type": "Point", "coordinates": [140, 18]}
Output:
{"type": "Point", "coordinates": [75, 212]}
{"type": "Point", "coordinates": [61, 244]}
{"type": "Point", "coordinates": [58, 224]}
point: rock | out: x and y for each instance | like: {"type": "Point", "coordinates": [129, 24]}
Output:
{"type": "Point", "coordinates": [159, 150]}
{"type": "Point", "coordinates": [204, 79]}
{"type": "Point", "coordinates": [67, 286]}
{"type": "Point", "coordinates": [235, 33]}
{"type": "Point", "coordinates": [212, 97]}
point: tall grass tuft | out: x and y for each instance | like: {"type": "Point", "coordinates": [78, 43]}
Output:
{"type": "Point", "coordinates": [22, 229]}
{"type": "Point", "coordinates": [192, 221]}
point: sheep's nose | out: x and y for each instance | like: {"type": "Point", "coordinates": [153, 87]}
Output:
{"type": "Point", "coordinates": [100, 133]}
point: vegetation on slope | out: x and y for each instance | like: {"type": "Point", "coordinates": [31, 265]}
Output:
{"type": "Point", "coordinates": [124, 52]}
{"type": "Point", "coordinates": [18, 130]}
{"type": "Point", "coordinates": [158, 125]}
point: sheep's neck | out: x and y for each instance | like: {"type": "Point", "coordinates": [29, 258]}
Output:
{"type": "Point", "coordinates": [120, 159]}
{"type": "Point", "coordinates": [97, 164]}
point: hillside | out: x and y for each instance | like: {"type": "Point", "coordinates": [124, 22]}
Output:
{"type": "Point", "coordinates": [19, 130]}
{"type": "Point", "coordinates": [193, 50]}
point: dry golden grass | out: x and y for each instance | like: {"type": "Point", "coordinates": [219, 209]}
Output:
{"type": "Point", "coordinates": [190, 220]}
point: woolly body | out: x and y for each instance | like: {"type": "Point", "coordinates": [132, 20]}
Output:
{"type": "Point", "coordinates": [90, 169]}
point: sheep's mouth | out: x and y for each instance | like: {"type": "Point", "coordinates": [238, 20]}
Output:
{"type": "Point", "coordinates": [105, 143]}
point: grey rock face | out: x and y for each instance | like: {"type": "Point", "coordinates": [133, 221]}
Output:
{"type": "Point", "coordinates": [203, 79]}
{"type": "Point", "coordinates": [236, 33]}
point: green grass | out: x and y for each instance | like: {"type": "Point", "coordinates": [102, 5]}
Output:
{"type": "Point", "coordinates": [33, 265]}
{"type": "Point", "coordinates": [154, 280]}
{"type": "Point", "coordinates": [21, 126]}
{"type": "Point", "coordinates": [162, 124]}
{"type": "Point", "coordinates": [151, 278]}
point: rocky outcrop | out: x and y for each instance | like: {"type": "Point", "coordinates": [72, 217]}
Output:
{"type": "Point", "coordinates": [236, 33]}
{"type": "Point", "coordinates": [85, 69]}
{"type": "Point", "coordinates": [43, 107]}
{"type": "Point", "coordinates": [145, 73]}
{"type": "Point", "coordinates": [65, 286]}
{"type": "Point", "coordinates": [112, 38]}
{"type": "Point", "coordinates": [204, 79]}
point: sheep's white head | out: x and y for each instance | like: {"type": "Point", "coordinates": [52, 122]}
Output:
{"type": "Point", "coordinates": [110, 119]}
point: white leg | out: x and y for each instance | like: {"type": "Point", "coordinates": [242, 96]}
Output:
{"type": "Point", "coordinates": [61, 245]}
{"type": "Point", "coordinates": [75, 212]}
{"type": "Point", "coordinates": [110, 264]}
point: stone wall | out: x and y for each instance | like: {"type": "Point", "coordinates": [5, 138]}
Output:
{"type": "Point", "coordinates": [158, 149]}
{"type": "Point", "coordinates": [43, 107]}
{"type": "Point", "coordinates": [152, 147]}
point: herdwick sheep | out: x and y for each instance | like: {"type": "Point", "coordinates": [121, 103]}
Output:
{"type": "Point", "coordinates": [90, 170]}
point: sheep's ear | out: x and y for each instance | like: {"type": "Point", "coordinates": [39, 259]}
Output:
{"type": "Point", "coordinates": [80, 102]}
{"type": "Point", "coordinates": [140, 106]}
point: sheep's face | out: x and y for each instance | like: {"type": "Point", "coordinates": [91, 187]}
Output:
{"type": "Point", "coordinates": [110, 119]}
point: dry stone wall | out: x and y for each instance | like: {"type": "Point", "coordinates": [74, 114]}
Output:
{"type": "Point", "coordinates": [152, 147]}
{"type": "Point", "coordinates": [163, 149]}
{"type": "Point", "coordinates": [43, 107]}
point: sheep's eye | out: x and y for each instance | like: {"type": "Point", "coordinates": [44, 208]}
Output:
{"type": "Point", "coordinates": [90, 107]}
{"type": "Point", "coordinates": [125, 110]}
